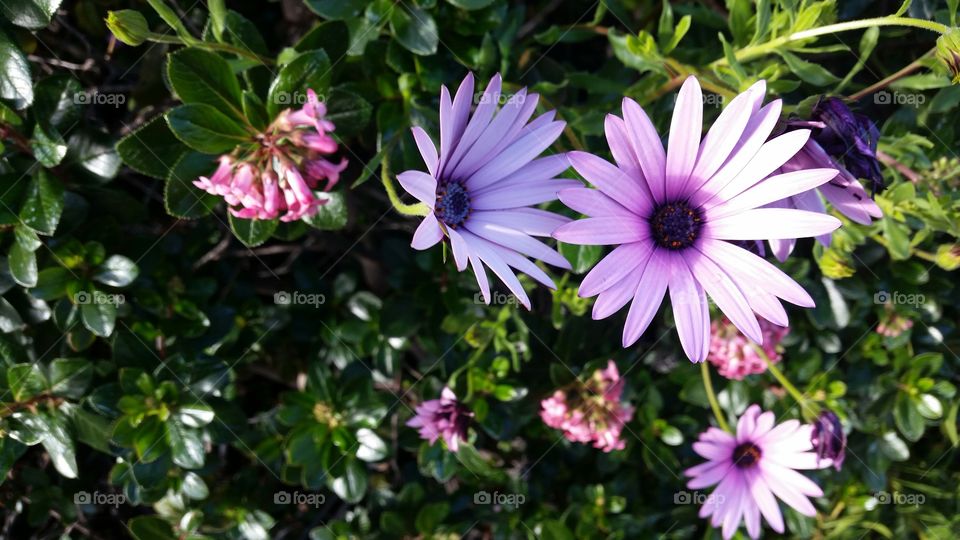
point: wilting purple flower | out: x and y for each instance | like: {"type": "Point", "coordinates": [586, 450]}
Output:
{"type": "Point", "coordinates": [828, 439]}
{"type": "Point", "coordinates": [736, 356]}
{"type": "Point", "coordinates": [754, 468]}
{"type": "Point", "coordinates": [483, 182]}
{"type": "Point", "coordinates": [445, 417]}
{"type": "Point", "coordinates": [843, 140]}
{"type": "Point", "coordinates": [674, 215]}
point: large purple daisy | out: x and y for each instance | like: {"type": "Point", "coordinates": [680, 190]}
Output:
{"type": "Point", "coordinates": [481, 185]}
{"type": "Point", "coordinates": [674, 213]}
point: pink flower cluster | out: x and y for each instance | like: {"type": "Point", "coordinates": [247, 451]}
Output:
{"type": "Point", "coordinates": [735, 356]}
{"type": "Point", "coordinates": [592, 413]}
{"type": "Point", "coordinates": [279, 176]}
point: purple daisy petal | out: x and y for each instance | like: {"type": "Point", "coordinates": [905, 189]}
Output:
{"type": "Point", "coordinates": [612, 181]}
{"type": "Point", "coordinates": [427, 150]}
{"type": "Point", "coordinates": [684, 143]}
{"type": "Point", "coordinates": [428, 233]}
{"type": "Point", "coordinates": [648, 147]}
{"type": "Point", "coordinates": [767, 223]}
{"type": "Point", "coordinates": [647, 299]}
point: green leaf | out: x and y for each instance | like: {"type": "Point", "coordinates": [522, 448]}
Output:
{"type": "Point", "coordinates": [252, 232]}
{"type": "Point", "coordinates": [59, 444]}
{"type": "Point", "coordinates": [57, 103]}
{"type": "Point", "coordinates": [415, 29]}
{"type": "Point", "coordinates": [898, 244]}
{"type": "Point", "coordinates": [43, 204]}
{"type": "Point", "coordinates": [181, 198]}
{"type": "Point", "coordinates": [195, 415]}
{"type": "Point", "coordinates": [52, 283]}
{"type": "Point", "coordinates": [32, 14]}
{"type": "Point", "coordinates": [582, 257]}
{"type": "Point", "coordinates": [151, 528]}
{"type": "Point", "coordinates": [471, 4]}
{"type": "Point", "coordinates": [893, 447]}
{"type": "Point", "coordinates": [331, 216]}
{"type": "Point", "coordinates": [352, 486]}
{"type": "Point", "coordinates": [372, 447]}
{"type": "Point", "coordinates": [117, 271]}
{"type": "Point", "coordinates": [10, 320]}
{"type": "Point", "coordinates": [91, 429]}
{"type": "Point", "coordinates": [23, 265]}
{"type": "Point", "coordinates": [336, 9]}
{"type": "Point", "coordinates": [808, 72]}
{"type": "Point", "coordinates": [98, 316]}
{"type": "Point", "coordinates": [206, 129]}
{"type": "Point", "coordinates": [25, 381]}
{"type": "Point", "coordinates": [431, 516]}
{"type": "Point", "coordinates": [331, 36]}
{"type": "Point", "coordinates": [70, 377]}
{"type": "Point", "coordinates": [348, 111]}
{"type": "Point", "coordinates": [907, 417]}
{"type": "Point", "coordinates": [310, 70]}
{"type": "Point", "coordinates": [16, 84]}
{"type": "Point", "coordinates": [203, 77]}
{"type": "Point", "coordinates": [185, 443]}
{"type": "Point", "coordinates": [152, 149]}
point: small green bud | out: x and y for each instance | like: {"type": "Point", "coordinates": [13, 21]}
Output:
{"type": "Point", "coordinates": [948, 49]}
{"type": "Point", "coordinates": [128, 26]}
{"type": "Point", "coordinates": [948, 256]}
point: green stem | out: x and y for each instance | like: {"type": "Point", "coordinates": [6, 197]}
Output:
{"type": "Point", "coordinates": [805, 404]}
{"type": "Point", "coordinates": [418, 209]}
{"type": "Point", "coordinates": [712, 398]}
{"type": "Point", "coordinates": [192, 42]}
{"type": "Point", "coordinates": [755, 51]}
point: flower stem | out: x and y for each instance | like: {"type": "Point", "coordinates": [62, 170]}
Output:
{"type": "Point", "coordinates": [805, 404]}
{"type": "Point", "coordinates": [755, 51]}
{"type": "Point", "coordinates": [418, 209]}
{"type": "Point", "coordinates": [712, 398]}
{"type": "Point", "coordinates": [193, 42]}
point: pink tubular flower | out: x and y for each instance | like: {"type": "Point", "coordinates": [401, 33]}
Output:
{"type": "Point", "coordinates": [481, 185]}
{"type": "Point", "coordinates": [445, 417]}
{"type": "Point", "coordinates": [675, 214]}
{"type": "Point", "coordinates": [592, 414]}
{"type": "Point", "coordinates": [736, 356]}
{"type": "Point", "coordinates": [278, 178]}
{"type": "Point", "coordinates": [753, 469]}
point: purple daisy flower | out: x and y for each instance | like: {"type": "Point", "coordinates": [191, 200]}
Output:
{"type": "Point", "coordinates": [753, 468]}
{"type": "Point", "coordinates": [445, 417]}
{"type": "Point", "coordinates": [481, 185]}
{"type": "Point", "coordinates": [828, 439]}
{"type": "Point", "coordinates": [674, 215]}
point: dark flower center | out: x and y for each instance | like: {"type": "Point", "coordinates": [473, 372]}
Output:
{"type": "Point", "coordinates": [746, 455]}
{"type": "Point", "coordinates": [453, 204]}
{"type": "Point", "coordinates": [676, 225]}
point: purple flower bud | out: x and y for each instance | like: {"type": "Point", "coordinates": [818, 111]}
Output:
{"type": "Point", "coordinates": [828, 438]}
{"type": "Point", "coordinates": [446, 417]}
{"type": "Point", "coordinates": [848, 137]}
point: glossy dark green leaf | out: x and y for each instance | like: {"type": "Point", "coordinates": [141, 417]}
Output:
{"type": "Point", "coordinates": [15, 80]}
{"type": "Point", "coordinates": [348, 111]}
{"type": "Point", "coordinates": [206, 129]}
{"type": "Point", "coordinates": [183, 199]}
{"type": "Point", "coordinates": [32, 14]}
{"type": "Point", "coordinates": [152, 149]}
{"type": "Point", "coordinates": [23, 265]}
{"type": "Point", "coordinates": [203, 77]}
{"type": "Point", "coordinates": [70, 377]}
{"type": "Point", "coordinates": [331, 36]}
{"type": "Point", "coordinates": [415, 29]}
{"type": "Point", "coordinates": [352, 485]}
{"type": "Point", "coordinates": [151, 528]}
{"type": "Point", "coordinates": [252, 232]}
{"type": "Point", "coordinates": [10, 320]}
{"type": "Point", "coordinates": [43, 204]}
{"type": "Point", "coordinates": [25, 381]}
{"type": "Point", "coordinates": [332, 215]}
{"type": "Point", "coordinates": [185, 443]}
{"type": "Point", "coordinates": [310, 70]}
{"type": "Point", "coordinates": [98, 314]}
{"type": "Point", "coordinates": [117, 271]}
{"type": "Point", "coordinates": [336, 9]}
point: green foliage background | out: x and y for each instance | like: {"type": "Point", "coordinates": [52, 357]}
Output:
{"type": "Point", "coordinates": [193, 396]}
